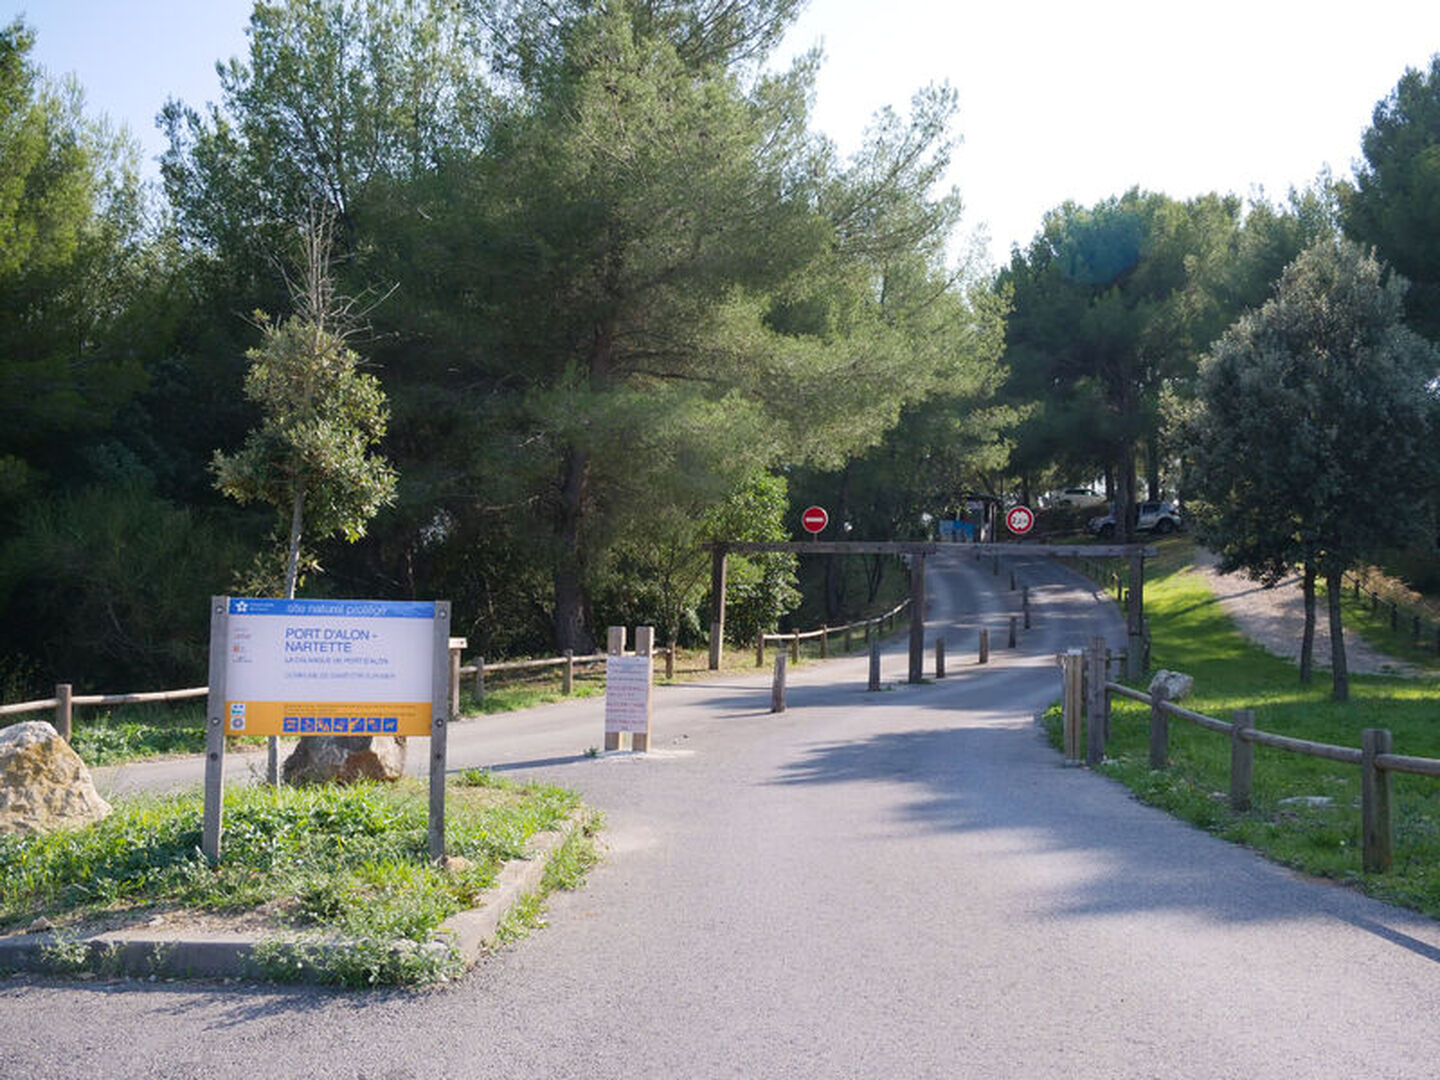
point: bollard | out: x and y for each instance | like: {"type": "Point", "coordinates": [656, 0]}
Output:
{"type": "Point", "coordinates": [670, 662]}
{"type": "Point", "coordinates": [614, 646]}
{"type": "Point", "coordinates": [795, 648]}
{"type": "Point", "coordinates": [1097, 720]}
{"type": "Point", "coordinates": [1013, 622]}
{"type": "Point", "coordinates": [777, 688]}
{"type": "Point", "coordinates": [1072, 662]}
{"type": "Point", "coordinates": [479, 680]}
{"type": "Point", "coordinates": [939, 658]}
{"type": "Point", "coordinates": [1012, 580]}
{"type": "Point", "coordinates": [567, 680]}
{"type": "Point", "coordinates": [984, 645]}
{"type": "Point", "coordinates": [760, 649]}
{"type": "Point", "coordinates": [824, 643]}
{"type": "Point", "coordinates": [1242, 759]}
{"type": "Point", "coordinates": [454, 681]}
{"type": "Point", "coordinates": [1025, 605]}
{"type": "Point", "coordinates": [874, 664]}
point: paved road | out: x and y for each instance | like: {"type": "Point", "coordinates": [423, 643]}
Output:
{"type": "Point", "coordinates": [900, 884]}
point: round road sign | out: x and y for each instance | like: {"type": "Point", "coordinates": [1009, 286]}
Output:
{"type": "Point", "coordinates": [814, 519]}
{"type": "Point", "coordinates": [1020, 519]}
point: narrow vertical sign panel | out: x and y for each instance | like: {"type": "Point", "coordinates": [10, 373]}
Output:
{"type": "Point", "coordinates": [328, 667]}
{"type": "Point", "coordinates": [627, 693]}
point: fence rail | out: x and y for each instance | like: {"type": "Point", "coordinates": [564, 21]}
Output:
{"type": "Point", "coordinates": [1374, 757]}
{"type": "Point", "coordinates": [824, 633]}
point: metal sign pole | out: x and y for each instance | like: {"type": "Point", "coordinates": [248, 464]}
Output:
{"type": "Point", "coordinates": [439, 724]}
{"type": "Point", "coordinates": [215, 728]}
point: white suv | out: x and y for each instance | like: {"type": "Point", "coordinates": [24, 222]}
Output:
{"type": "Point", "coordinates": [1157, 517]}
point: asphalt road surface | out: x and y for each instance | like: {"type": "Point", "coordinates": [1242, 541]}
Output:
{"type": "Point", "coordinates": [907, 883]}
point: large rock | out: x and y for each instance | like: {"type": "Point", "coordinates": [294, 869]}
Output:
{"type": "Point", "coordinates": [1176, 685]}
{"type": "Point", "coordinates": [43, 783]}
{"type": "Point", "coordinates": [344, 759]}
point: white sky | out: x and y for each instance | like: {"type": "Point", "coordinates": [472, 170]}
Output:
{"type": "Point", "coordinates": [1059, 99]}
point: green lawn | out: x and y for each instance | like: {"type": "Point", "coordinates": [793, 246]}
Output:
{"type": "Point", "coordinates": [1191, 633]}
{"type": "Point", "coordinates": [333, 862]}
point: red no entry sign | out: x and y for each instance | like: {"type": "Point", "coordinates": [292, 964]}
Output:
{"type": "Point", "coordinates": [1020, 519]}
{"type": "Point", "coordinates": [814, 519]}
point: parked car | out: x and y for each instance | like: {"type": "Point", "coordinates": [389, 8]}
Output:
{"type": "Point", "coordinates": [1080, 497]}
{"type": "Point", "coordinates": [1157, 517]}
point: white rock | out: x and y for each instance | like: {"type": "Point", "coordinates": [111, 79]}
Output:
{"type": "Point", "coordinates": [43, 783]}
{"type": "Point", "coordinates": [1177, 686]}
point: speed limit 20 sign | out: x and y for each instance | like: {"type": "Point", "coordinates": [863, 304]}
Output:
{"type": "Point", "coordinates": [1020, 520]}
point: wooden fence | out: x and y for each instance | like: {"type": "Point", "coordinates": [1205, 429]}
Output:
{"type": "Point", "coordinates": [1420, 627]}
{"type": "Point", "coordinates": [794, 638]}
{"type": "Point", "coordinates": [1085, 681]}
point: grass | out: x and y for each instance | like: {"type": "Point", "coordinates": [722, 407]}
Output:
{"type": "Point", "coordinates": [336, 863]}
{"type": "Point", "coordinates": [1191, 633]}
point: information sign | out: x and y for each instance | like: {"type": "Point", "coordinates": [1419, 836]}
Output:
{"type": "Point", "coordinates": [627, 693]}
{"type": "Point", "coordinates": [329, 667]}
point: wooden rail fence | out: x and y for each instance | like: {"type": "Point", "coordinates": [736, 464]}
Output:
{"type": "Point", "coordinates": [1085, 681]}
{"type": "Point", "coordinates": [884, 621]}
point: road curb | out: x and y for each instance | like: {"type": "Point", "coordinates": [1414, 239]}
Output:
{"type": "Point", "coordinates": [146, 952]}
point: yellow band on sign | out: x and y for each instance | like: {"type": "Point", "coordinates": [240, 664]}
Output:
{"type": "Point", "coordinates": [303, 718]}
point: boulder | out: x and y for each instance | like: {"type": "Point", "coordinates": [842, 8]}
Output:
{"type": "Point", "coordinates": [1175, 684]}
{"type": "Point", "coordinates": [43, 783]}
{"type": "Point", "coordinates": [344, 759]}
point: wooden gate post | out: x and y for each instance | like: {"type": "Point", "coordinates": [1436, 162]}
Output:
{"type": "Point", "coordinates": [1072, 663]}
{"type": "Point", "coordinates": [1135, 661]}
{"type": "Point", "coordinates": [1242, 759]}
{"type": "Point", "coordinates": [777, 687]}
{"type": "Point", "coordinates": [717, 605]}
{"type": "Point", "coordinates": [1376, 830]}
{"type": "Point", "coordinates": [874, 664]}
{"type": "Point", "coordinates": [615, 646]}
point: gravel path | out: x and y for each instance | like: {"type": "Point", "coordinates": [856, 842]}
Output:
{"type": "Point", "coordinates": [1274, 619]}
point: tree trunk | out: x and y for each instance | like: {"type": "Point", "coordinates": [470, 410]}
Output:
{"type": "Point", "coordinates": [1307, 639]}
{"type": "Point", "coordinates": [1125, 497]}
{"type": "Point", "coordinates": [292, 561]}
{"type": "Point", "coordinates": [570, 629]}
{"type": "Point", "coordinates": [1340, 689]}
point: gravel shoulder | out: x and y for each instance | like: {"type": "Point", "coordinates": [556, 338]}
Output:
{"type": "Point", "coordinates": [1274, 619]}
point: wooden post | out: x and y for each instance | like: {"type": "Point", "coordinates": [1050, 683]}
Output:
{"type": "Point", "coordinates": [644, 646]}
{"type": "Point", "coordinates": [1376, 829]}
{"type": "Point", "coordinates": [1025, 605]}
{"type": "Point", "coordinates": [874, 664]}
{"type": "Point", "coordinates": [847, 640]}
{"type": "Point", "coordinates": [939, 658]}
{"type": "Point", "coordinates": [1135, 658]}
{"type": "Point", "coordinates": [1097, 703]}
{"type": "Point", "coordinates": [567, 680]}
{"type": "Point", "coordinates": [917, 619]}
{"type": "Point", "coordinates": [1012, 639]}
{"type": "Point", "coordinates": [615, 646]}
{"type": "Point", "coordinates": [1072, 663]}
{"type": "Point", "coordinates": [479, 679]}
{"type": "Point", "coordinates": [777, 688]}
{"type": "Point", "coordinates": [1242, 759]}
{"type": "Point", "coordinates": [824, 643]}
{"type": "Point", "coordinates": [717, 606]}
{"type": "Point", "coordinates": [64, 711]}
{"type": "Point", "coordinates": [760, 649]}
{"type": "Point", "coordinates": [455, 676]}
{"type": "Point", "coordinates": [1012, 580]}
{"type": "Point", "coordinates": [1159, 730]}
{"type": "Point", "coordinates": [795, 647]}
{"type": "Point", "coordinates": [984, 645]}
{"type": "Point", "coordinates": [670, 662]}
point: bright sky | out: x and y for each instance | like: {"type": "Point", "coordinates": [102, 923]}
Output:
{"type": "Point", "coordinates": [1058, 99]}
